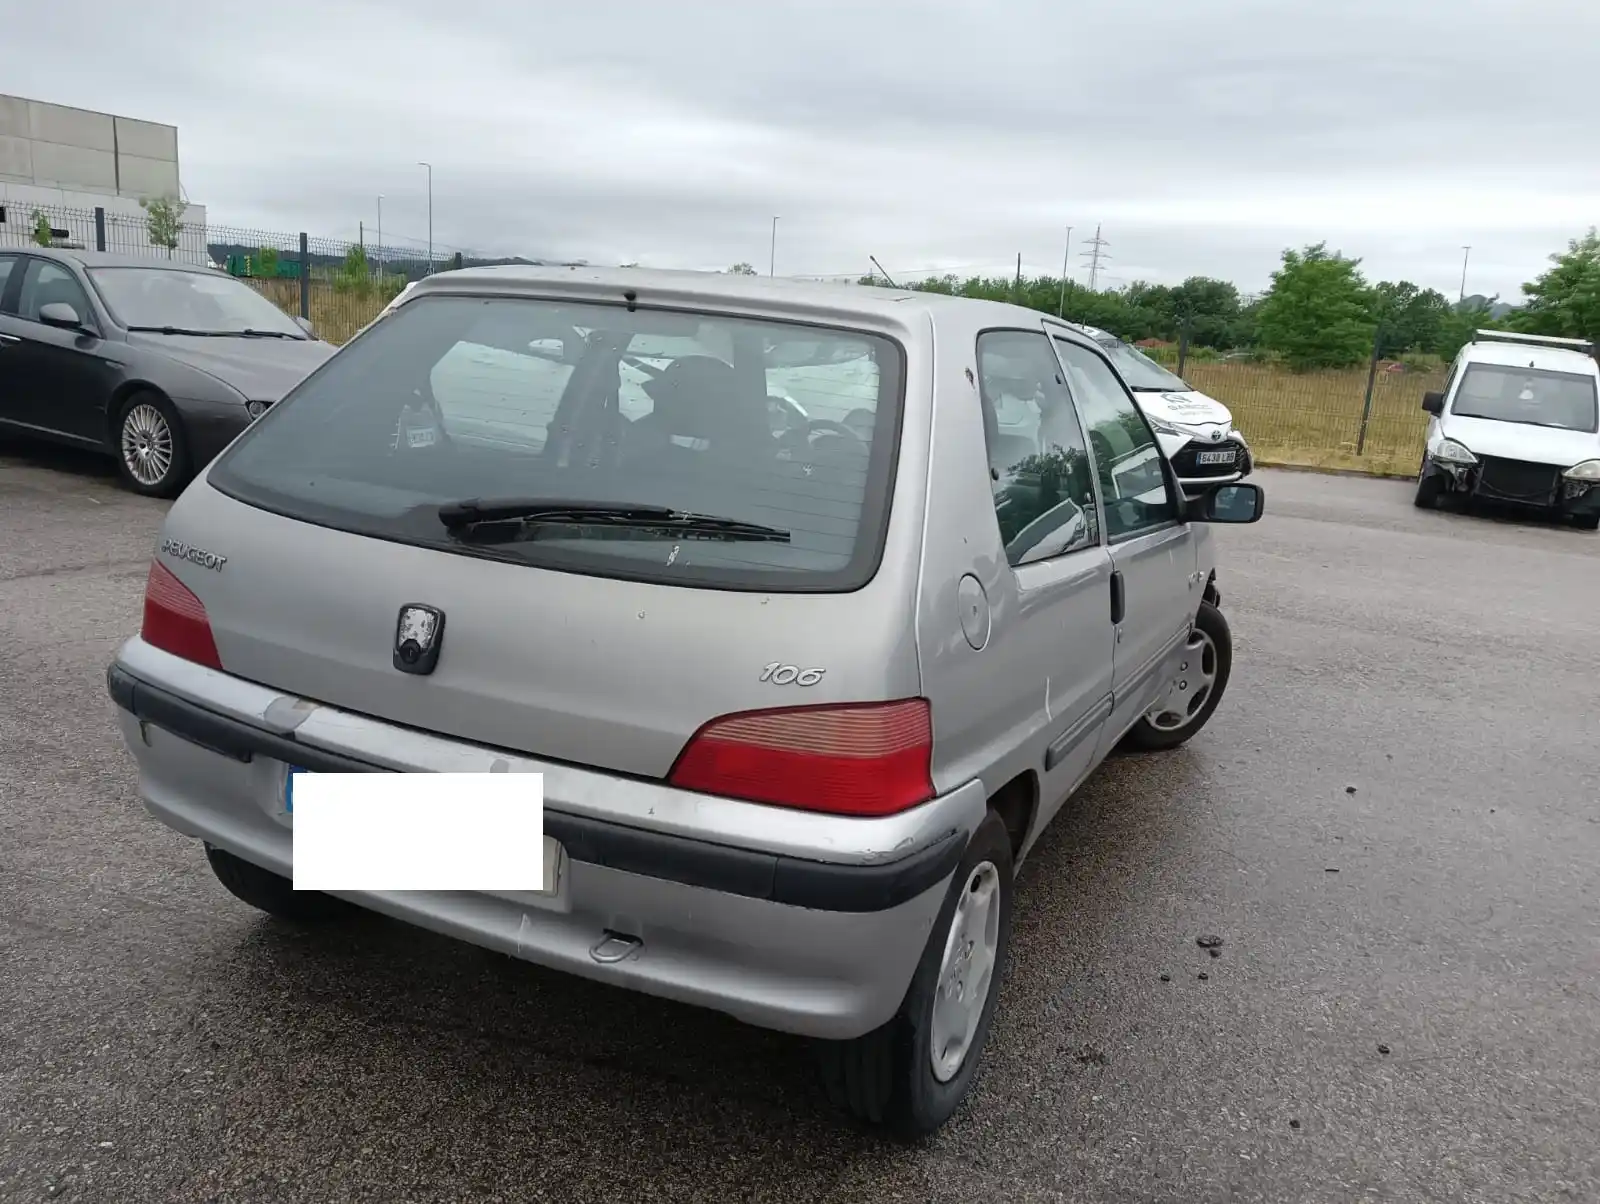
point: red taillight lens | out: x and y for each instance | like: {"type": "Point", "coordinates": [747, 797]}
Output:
{"type": "Point", "coordinates": [851, 759]}
{"type": "Point", "coordinates": [175, 620]}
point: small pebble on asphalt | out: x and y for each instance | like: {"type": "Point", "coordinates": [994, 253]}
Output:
{"type": "Point", "coordinates": [1383, 1049]}
{"type": "Point", "coordinates": [1349, 789]}
{"type": "Point", "coordinates": [1166, 978]}
{"type": "Point", "coordinates": [1215, 952]}
{"type": "Point", "coordinates": [1204, 977]}
{"type": "Point", "coordinates": [1294, 1124]}
{"type": "Point", "coordinates": [1208, 942]}
{"type": "Point", "coordinates": [1332, 869]}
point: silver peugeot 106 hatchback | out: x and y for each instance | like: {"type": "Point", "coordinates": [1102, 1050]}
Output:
{"type": "Point", "coordinates": [805, 682]}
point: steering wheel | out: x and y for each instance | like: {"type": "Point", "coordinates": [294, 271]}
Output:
{"type": "Point", "coordinates": [828, 426]}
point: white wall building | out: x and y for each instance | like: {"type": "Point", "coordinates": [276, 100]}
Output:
{"type": "Point", "coordinates": [67, 162]}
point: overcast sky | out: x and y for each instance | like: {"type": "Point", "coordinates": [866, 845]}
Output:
{"type": "Point", "coordinates": [1202, 136]}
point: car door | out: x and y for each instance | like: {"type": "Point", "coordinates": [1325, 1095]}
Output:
{"type": "Point", "coordinates": [1053, 633]}
{"type": "Point", "coordinates": [61, 376]}
{"type": "Point", "coordinates": [1153, 587]}
{"type": "Point", "coordinates": [10, 398]}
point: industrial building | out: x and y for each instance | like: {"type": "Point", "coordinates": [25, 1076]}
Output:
{"type": "Point", "coordinates": [68, 162]}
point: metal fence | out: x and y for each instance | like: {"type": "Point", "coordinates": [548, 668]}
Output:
{"type": "Point", "coordinates": [1367, 418]}
{"type": "Point", "coordinates": [339, 285]}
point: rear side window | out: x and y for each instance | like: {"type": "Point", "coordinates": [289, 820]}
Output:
{"type": "Point", "coordinates": [1039, 468]}
{"type": "Point", "coordinates": [779, 438]}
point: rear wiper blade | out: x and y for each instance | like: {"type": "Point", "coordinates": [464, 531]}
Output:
{"type": "Point", "coordinates": [463, 515]}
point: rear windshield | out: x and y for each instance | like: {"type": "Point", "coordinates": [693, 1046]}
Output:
{"type": "Point", "coordinates": [789, 431]}
{"type": "Point", "coordinates": [1534, 396]}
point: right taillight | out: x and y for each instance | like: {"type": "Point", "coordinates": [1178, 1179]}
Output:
{"type": "Point", "coordinates": [175, 620]}
{"type": "Point", "coordinates": [850, 759]}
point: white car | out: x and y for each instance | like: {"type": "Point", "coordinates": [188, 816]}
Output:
{"type": "Point", "coordinates": [1195, 431]}
{"type": "Point", "coordinates": [1518, 421]}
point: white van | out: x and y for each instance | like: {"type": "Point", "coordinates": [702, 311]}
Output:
{"type": "Point", "coordinates": [1518, 421]}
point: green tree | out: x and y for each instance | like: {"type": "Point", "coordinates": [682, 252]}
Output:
{"type": "Point", "coordinates": [742, 269]}
{"type": "Point", "coordinates": [1458, 326]}
{"type": "Point", "coordinates": [354, 274]}
{"type": "Point", "coordinates": [1318, 312]}
{"type": "Point", "coordinates": [1565, 300]}
{"type": "Point", "coordinates": [42, 232]}
{"type": "Point", "coordinates": [1409, 318]}
{"type": "Point", "coordinates": [163, 222]}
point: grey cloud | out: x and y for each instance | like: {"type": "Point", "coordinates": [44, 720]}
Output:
{"type": "Point", "coordinates": [1206, 136]}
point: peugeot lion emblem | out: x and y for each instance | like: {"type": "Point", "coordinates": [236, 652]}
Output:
{"type": "Point", "coordinates": [417, 637]}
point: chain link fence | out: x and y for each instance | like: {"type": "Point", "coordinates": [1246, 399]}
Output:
{"type": "Point", "coordinates": [1369, 418]}
{"type": "Point", "coordinates": [339, 285]}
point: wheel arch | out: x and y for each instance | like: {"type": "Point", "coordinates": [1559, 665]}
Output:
{"type": "Point", "coordinates": [1017, 804]}
{"type": "Point", "coordinates": [1212, 594]}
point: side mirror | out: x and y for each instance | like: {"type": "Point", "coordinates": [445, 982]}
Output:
{"type": "Point", "coordinates": [305, 325]}
{"type": "Point", "coordinates": [1433, 402]}
{"type": "Point", "coordinates": [60, 315]}
{"type": "Point", "coordinates": [1239, 503]}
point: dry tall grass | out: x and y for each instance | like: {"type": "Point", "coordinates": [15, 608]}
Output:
{"type": "Point", "coordinates": [1311, 419]}
{"type": "Point", "coordinates": [1314, 418]}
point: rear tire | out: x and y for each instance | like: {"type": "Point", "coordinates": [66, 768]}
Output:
{"type": "Point", "coordinates": [1208, 659]}
{"type": "Point", "coordinates": [888, 1076]}
{"type": "Point", "coordinates": [272, 893]}
{"type": "Point", "coordinates": [151, 447]}
{"type": "Point", "coordinates": [1587, 522]}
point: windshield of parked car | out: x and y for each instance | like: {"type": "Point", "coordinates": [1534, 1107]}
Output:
{"type": "Point", "coordinates": [202, 302]}
{"type": "Point", "coordinates": [1139, 371]}
{"type": "Point", "coordinates": [452, 399]}
{"type": "Point", "coordinates": [1537, 397]}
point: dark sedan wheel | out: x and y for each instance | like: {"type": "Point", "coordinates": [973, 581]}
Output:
{"type": "Point", "coordinates": [152, 451]}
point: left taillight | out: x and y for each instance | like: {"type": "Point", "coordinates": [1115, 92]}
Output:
{"type": "Point", "coordinates": [175, 620]}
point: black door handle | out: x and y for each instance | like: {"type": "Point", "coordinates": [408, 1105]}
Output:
{"type": "Point", "coordinates": [1118, 601]}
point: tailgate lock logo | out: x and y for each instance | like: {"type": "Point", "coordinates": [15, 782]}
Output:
{"type": "Point", "coordinates": [417, 636]}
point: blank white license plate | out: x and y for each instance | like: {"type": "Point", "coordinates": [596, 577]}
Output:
{"type": "Point", "coordinates": [555, 858]}
{"type": "Point", "coordinates": [1225, 456]}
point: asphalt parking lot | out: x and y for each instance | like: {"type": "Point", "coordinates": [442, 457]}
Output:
{"type": "Point", "coordinates": [1393, 822]}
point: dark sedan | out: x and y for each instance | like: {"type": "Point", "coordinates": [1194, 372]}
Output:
{"type": "Point", "coordinates": [156, 362]}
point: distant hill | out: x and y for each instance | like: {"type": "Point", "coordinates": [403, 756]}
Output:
{"type": "Point", "coordinates": [1496, 307]}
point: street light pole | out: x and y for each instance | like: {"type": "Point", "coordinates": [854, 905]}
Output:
{"type": "Point", "coordinates": [1466, 252]}
{"type": "Point", "coordinates": [772, 263]}
{"type": "Point", "coordinates": [380, 235]}
{"type": "Point", "coordinates": [1066, 257]}
{"type": "Point", "coordinates": [429, 166]}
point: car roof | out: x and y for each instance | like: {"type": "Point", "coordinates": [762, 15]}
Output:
{"type": "Point", "coordinates": [108, 259]}
{"type": "Point", "coordinates": [1532, 355]}
{"type": "Point", "coordinates": [896, 305]}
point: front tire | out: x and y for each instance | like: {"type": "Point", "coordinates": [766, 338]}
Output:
{"type": "Point", "coordinates": [1196, 688]}
{"type": "Point", "coordinates": [151, 448]}
{"type": "Point", "coordinates": [911, 1074]}
{"type": "Point", "coordinates": [272, 893]}
{"type": "Point", "coordinates": [1430, 489]}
